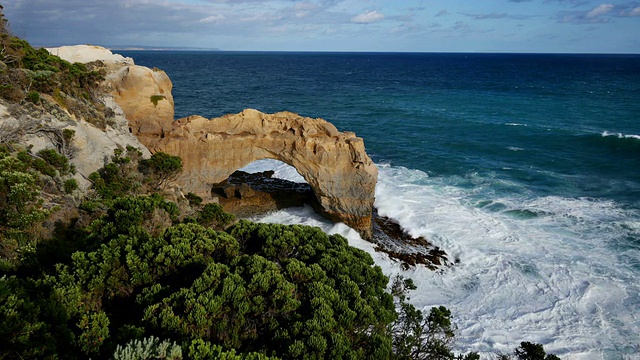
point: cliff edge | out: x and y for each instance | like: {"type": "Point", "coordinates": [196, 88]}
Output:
{"type": "Point", "coordinates": [334, 163]}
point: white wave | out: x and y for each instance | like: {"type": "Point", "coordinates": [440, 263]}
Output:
{"type": "Point", "coordinates": [281, 170]}
{"type": "Point", "coordinates": [620, 135]}
{"type": "Point", "coordinates": [515, 124]}
{"type": "Point", "coordinates": [514, 148]}
{"type": "Point", "coordinates": [555, 277]}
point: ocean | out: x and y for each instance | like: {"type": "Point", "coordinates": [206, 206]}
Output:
{"type": "Point", "coordinates": [524, 167]}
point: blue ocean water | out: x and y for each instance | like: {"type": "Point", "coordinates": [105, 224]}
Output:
{"type": "Point", "coordinates": [526, 167]}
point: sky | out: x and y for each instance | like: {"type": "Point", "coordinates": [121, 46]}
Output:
{"type": "Point", "coordinates": [549, 26]}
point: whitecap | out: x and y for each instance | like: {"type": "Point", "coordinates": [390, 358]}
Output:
{"type": "Point", "coordinates": [620, 135]}
{"type": "Point", "coordinates": [556, 278]}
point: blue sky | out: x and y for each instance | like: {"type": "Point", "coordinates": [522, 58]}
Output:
{"type": "Point", "coordinates": [335, 25]}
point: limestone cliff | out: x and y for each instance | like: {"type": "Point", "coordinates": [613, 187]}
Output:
{"type": "Point", "coordinates": [99, 126]}
{"type": "Point", "coordinates": [334, 163]}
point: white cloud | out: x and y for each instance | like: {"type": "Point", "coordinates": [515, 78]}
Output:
{"type": "Point", "coordinates": [599, 10]}
{"type": "Point", "coordinates": [305, 6]}
{"type": "Point", "coordinates": [368, 17]}
{"type": "Point", "coordinates": [213, 18]}
{"type": "Point", "coordinates": [635, 12]}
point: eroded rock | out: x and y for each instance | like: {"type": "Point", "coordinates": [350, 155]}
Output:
{"type": "Point", "coordinates": [334, 163]}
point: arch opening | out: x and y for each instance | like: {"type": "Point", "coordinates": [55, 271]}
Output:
{"type": "Point", "coordinates": [264, 186]}
{"type": "Point", "coordinates": [281, 170]}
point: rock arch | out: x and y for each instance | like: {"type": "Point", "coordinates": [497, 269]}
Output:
{"type": "Point", "coordinates": [334, 163]}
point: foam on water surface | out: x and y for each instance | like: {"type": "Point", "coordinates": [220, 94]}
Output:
{"type": "Point", "coordinates": [544, 270]}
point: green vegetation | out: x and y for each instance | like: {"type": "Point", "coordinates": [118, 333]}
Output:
{"type": "Point", "coordinates": [70, 185]}
{"type": "Point", "coordinates": [161, 167]}
{"type": "Point", "coordinates": [26, 73]}
{"type": "Point", "coordinates": [130, 272]}
{"type": "Point", "coordinates": [193, 199]}
{"type": "Point", "coordinates": [22, 178]}
{"type": "Point", "coordinates": [156, 98]}
{"type": "Point", "coordinates": [213, 216]}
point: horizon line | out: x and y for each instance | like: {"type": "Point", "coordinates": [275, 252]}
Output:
{"type": "Point", "coordinates": [199, 49]}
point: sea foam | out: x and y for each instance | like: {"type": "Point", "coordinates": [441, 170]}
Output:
{"type": "Point", "coordinates": [620, 135]}
{"type": "Point", "coordinates": [557, 277]}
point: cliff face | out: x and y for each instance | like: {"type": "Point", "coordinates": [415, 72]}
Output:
{"type": "Point", "coordinates": [98, 126]}
{"type": "Point", "coordinates": [334, 163]}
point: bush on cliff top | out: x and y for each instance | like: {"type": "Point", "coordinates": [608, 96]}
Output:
{"type": "Point", "coordinates": [26, 72]}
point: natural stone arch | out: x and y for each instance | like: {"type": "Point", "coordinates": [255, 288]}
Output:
{"type": "Point", "coordinates": [333, 163]}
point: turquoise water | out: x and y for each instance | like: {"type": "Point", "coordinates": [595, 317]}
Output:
{"type": "Point", "coordinates": [525, 167]}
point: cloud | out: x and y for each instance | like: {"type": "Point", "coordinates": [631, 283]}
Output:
{"type": "Point", "coordinates": [600, 14]}
{"type": "Point", "coordinates": [368, 17]}
{"type": "Point", "coordinates": [519, 1]}
{"type": "Point", "coordinates": [213, 18]}
{"type": "Point", "coordinates": [494, 15]}
{"type": "Point", "coordinates": [486, 16]}
{"type": "Point", "coordinates": [442, 13]}
{"type": "Point", "coordinates": [634, 12]}
{"type": "Point", "coordinates": [599, 10]}
{"type": "Point", "coordinates": [461, 26]}
{"type": "Point", "coordinates": [574, 3]}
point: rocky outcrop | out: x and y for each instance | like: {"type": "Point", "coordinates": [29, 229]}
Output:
{"type": "Point", "coordinates": [143, 94]}
{"type": "Point", "coordinates": [334, 163]}
{"type": "Point", "coordinates": [145, 97]}
{"type": "Point", "coordinates": [40, 127]}
{"type": "Point", "coordinates": [88, 53]}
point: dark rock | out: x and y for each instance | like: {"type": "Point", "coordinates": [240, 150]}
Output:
{"type": "Point", "coordinates": [245, 191]}
{"type": "Point", "coordinates": [410, 251]}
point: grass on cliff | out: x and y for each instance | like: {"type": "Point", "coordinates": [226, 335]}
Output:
{"type": "Point", "coordinates": [26, 73]}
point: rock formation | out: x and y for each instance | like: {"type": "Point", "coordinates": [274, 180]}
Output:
{"type": "Point", "coordinates": [143, 94]}
{"type": "Point", "coordinates": [145, 97]}
{"type": "Point", "coordinates": [334, 163]}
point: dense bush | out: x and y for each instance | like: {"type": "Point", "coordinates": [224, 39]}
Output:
{"type": "Point", "coordinates": [70, 185]}
{"type": "Point", "coordinates": [120, 177]}
{"type": "Point", "coordinates": [256, 291]}
{"type": "Point", "coordinates": [20, 210]}
{"type": "Point", "coordinates": [161, 167]}
{"type": "Point", "coordinates": [213, 216]}
{"type": "Point", "coordinates": [39, 71]}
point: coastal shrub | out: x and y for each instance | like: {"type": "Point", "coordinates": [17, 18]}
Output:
{"type": "Point", "coordinates": [33, 96]}
{"type": "Point", "coordinates": [161, 167]}
{"type": "Point", "coordinates": [120, 177]}
{"type": "Point", "coordinates": [213, 216]}
{"type": "Point", "coordinates": [156, 98]}
{"type": "Point", "coordinates": [416, 336]}
{"type": "Point", "coordinates": [57, 161]}
{"type": "Point", "coordinates": [148, 348]}
{"type": "Point", "coordinates": [70, 185]}
{"type": "Point", "coordinates": [533, 351]}
{"type": "Point", "coordinates": [20, 210]}
{"type": "Point", "coordinates": [204, 350]}
{"type": "Point", "coordinates": [193, 199]}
